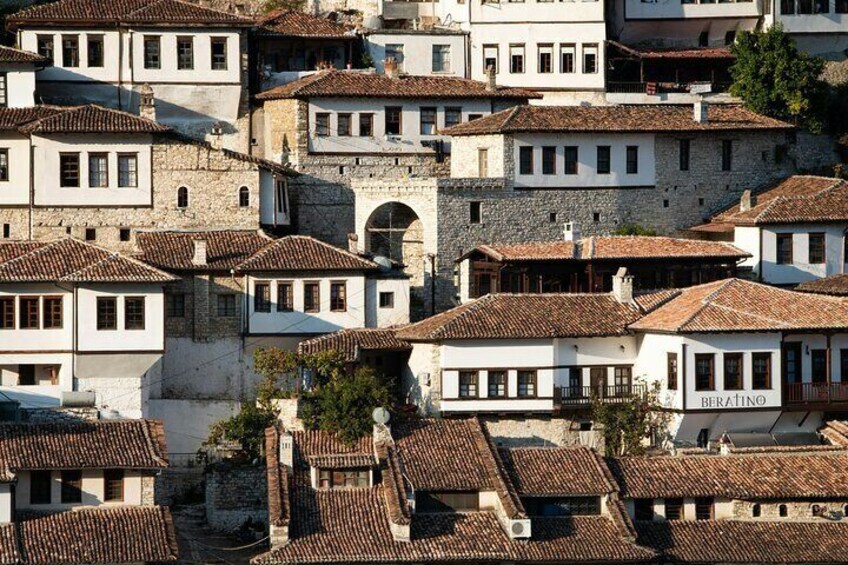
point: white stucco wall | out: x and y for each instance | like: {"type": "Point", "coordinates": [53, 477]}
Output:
{"type": "Point", "coordinates": [636, 10]}
{"type": "Point", "coordinates": [383, 317]}
{"type": "Point", "coordinates": [16, 189]}
{"type": "Point", "coordinates": [151, 338]}
{"type": "Point", "coordinates": [418, 51]}
{"type": "Point", "coordinates": [6, 501]}
{"type": "Point", "coordinates": [801, 269]}
{"type": "Point", "coordinates": [92, 487]}
{"type": "Point", "coordinates": [20, 84]}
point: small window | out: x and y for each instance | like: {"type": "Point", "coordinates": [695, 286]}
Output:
{"type": "Point", "coordinates": [552, 217]}
{"type": "Point", "coordinates": [673, 508]}
{"type": "Point", "coordinates": [590, 59]}
{"type": "Point", "coordinates": [526, 384]}
{"type": "Point", "coordinates": [783, 512]}
{"type": "Point", "coordinates": [40, 486]}
{"type": "Point", "coordinates": [567, 55]}
{"type": "Point", "coordinates": [311, 297]}
{"type": "Point", "coordinates": [525, 160]}
{"type": "Point", "coordinates": [366, 125]}
{"type": "Point", "coordinates": [322, 124]}
{"type": "Point", "coordinates": [490, 57]}
{"type": "Point", "coordinates": [29, 312]}
{"type": "Point", "coordinates": [338, 296]}
{"type": "Point", "coordinates": [671, 374]}
{"type": "Point", "coordinates": [453, 116]}
{"type": "Point", "coordinates": [475, 212]}
{"type": "Point", "coordinates": [343, 125]}
{"type": "Point", "coordinates": [107, 313]}
{"type": "Point", "coordinates": [726, 155]}
{"type": "Point", "coordinates": [152, 52]}
{"type": "Point", "coordinates": [98, 170]}
{"type": "Point", "coordinates": [441, 58]}
{"type": "Point", "coordinates": [113, 485]}
{"type": "Point", "coordinates": [219, 54]}
{"type": "Point", "coordinates": [387, 300]}
{"type": "Point", "coordinates": [761, 370]}
{"type": "Point", "coordinates": [516, 59]}
{"type": "Point", "coordinates": [285, 297]}
{"type": "Point", "coordinates": [185, 53]}
{"type": "Point", "coordinates": [262, 297]}
{"type": "Point", "coordinates": [684, 147]}
{"type": "Point", "coordinates": [70, 51]}
{"type": "Point", "coordinates": [71, 487]}
{"type": "Point", "coordinates": [604, 160]}
{"type": "Point", "coordinates": [91, 234]}
{"type": "Point", "coordinates": [497, 384]}
{"type": "Point", "coordinates": [548, 160]}
{"type": "Point", "coordinates": [95, 51]}
{"type": "Point", "coordinates": [182, 197]}
{"type": "Point", "coordinates": [52, 312]}
{"type": "Point", "coordinates": [596, 217]}
{"type": "Point", "coordinates": [244, 197]}
{"type": "Point", "coordinates": [784, 249]}
{"type": "Point", "coordinates": [468, 384]}
{"type": "Point", "coordinates": [428, 121]}
{"type": "Point", "coordinates": [632, 159]}
{"type": "Point", "coordinates": [134, 313]}
{"type": "Point", "coordinates": [643, 509]}
{"type": "Point", "coordinates": [69, 170]}
{"type": "Point", "coordinates": [704, 508]}
{"type": "Point", "coordinates": [343, 478]}
{"type": "Point", "coordinates": [816, 248]}
{"type": "Point", "coordinates": [546, 59]}
{"type": "Point", "coordinates": [570, 154]}
{"type": "Point", "coordinates": [226, 305]}
{"type": "Point", "coordinates": [128, 170]}
{"type": "Point", "coordinates": [4, 164]}
{"type": "Point", "coordinates": [756, 511]}
{"type": "Point", "coordinates": [45, 47]}
{"type": "Point", "coordinates": [483, 165]}
{"type": "Point", "coordinates": [175, 305]}
{"type": "Point", "coordinates": [733, 371]}
{"type": "Point", "coordinates": [704, 371]}
{"type": "Point", "coordinates": [124, 234]}
{"type": "Point", "coordinates": [7, 313]}
{"type": "Point", "coordinates": [394, 120]}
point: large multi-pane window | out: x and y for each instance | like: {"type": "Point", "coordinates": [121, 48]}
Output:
{"type": "Point", "coordinates": [107, 313]}
{"type": "Point", "coordinates": [546, 59]}
{"type": "Point", "coordinates": [343, 124]}
{"type": "Point", "coordinates": [134, 313]}
{"type": "Point", "coordinates": [784, 249]}
{"type": "Point", "coordinates": [497, 384]}
{"type": "Point", "coordinates": [113, 485]}
{"type": "Point", "coordinates": [526, 384]}
{"type": "Point", "coordinates": [40, 487]}
{"type": "Point", "coordinates": [71, 486]}
{"type": "Point", "coordinates": [45, 47]}
{"type": "Point", "coordinates": [525, 160]}
{"type": "Point", "coordinates": [69, 170]}
{"type": "Point", "coordinates": [453, 116]}
{"type": "Point", "coordinates": [285, 296]}
{"type": "Point", "coordinates": [570, 154]}
{"type": "Point", "coordinates": [226, 305]}
{"type": "Point", "coordinates": [549, 160]}
{"type": "Point", "coordinates": [70, 51]}
{"type": "Point", "coordinates": [343, 478]}
{"type": "Point", "coordinates": [632, 159]}
{"type": "Point", "coordinates": [94, 50]}
{"type": "Point", "coordinates": [366, 125]}
{"type": "Point", "coordinates": [671, 371]}
{"type": "Point", "coordinates": [468, 384]}
{"type": "Point", "coordinates": [7, 313]}
{"type": "Point", "coordinates": [733, 371]}
{"type": "Point", "coordinates": [394, 120]}
{"type": "Point", "coordinates": [29, 312]}
{"type": "Point", "coordinates": [98, 170]}
{"type": "Point", "coordinates": [185, 53]}
{"type": "Point", "coordinates": [761, 370]}
{"type": "Point", "coordinates": [590, 59]}
{"type": "Point", "coordinates": [311, 297]}
{"type": "Point", "coordinates": [816, 248]}
{"type": "Point", "coordinates": [604, 160]}
{"type": "Point", "coordinates": [704, 371]}
{"type": "Point", "coordinates": [175, 305]}
{"type": "Point", "coordinates": [4, 91]}
{"type": "Point", "coordinates": [152, 52]}
{"type": "Point", "coordinates": [338, 296]}
{"type": "Point", "coordinates": [52, 312]}
{"type": "Point", "coordinates": [262, 297]}
{"type": "Point", "coordinates": [673, 508]}
{"type": "Point", "coordinates": [322, 124]}
{"type": "Point", "coordinates": [441, 58]}
{"type": "Point", "coordinates": [219, 54]}
{"type": "Point", "coordinates": [428, 120]}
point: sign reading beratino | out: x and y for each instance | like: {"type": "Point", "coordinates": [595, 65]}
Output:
{"type": "Point", "coordinates": [734, 401]}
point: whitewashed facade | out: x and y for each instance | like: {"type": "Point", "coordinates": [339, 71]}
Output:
{"type": "Point", "coordinates": [420, 52]}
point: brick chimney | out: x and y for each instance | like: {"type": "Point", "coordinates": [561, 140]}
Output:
{"type": "Point", "coordinates": [216, 136]}
{"type": "Point", "coordinates": [146, 103]}
{"type": "Point", "coordinates": [622, 286]}
{"type": "Point", "coordinates": [491, 83]}
{"type": "Point", "coordinates": [390, 67]}
{"type": "Point", "coordinates": [746, 202]}
{"type": "Point", "coordinates": [353, 243]}
{"type": "Point", "coordinates": [199, 257]}
{"type": "Point", "coordinates": [701, 112]}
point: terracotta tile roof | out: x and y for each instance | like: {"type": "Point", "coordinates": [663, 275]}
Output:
{"type": "Point", "coordinates": [324, 450]}
{"type": "Point", "coordinates": [738, 541]}
{"type": "Point", "coordinates": [510, 316]}
{"type": "Point", "coordinates": [350, 342]}
{"type": "Point", "coordinates": [92, 119]}
{"type": "Point", "coordinates": [10, 551]}
{"type": "Point", "coordinates": [355, 84]}
{"type": "Point", "coordinates": [652, 299]}
{"type": "Point", "coordinates": [836, 285]}
{"type": "Point", "coordinates": [173, 250]}
{"type": "Point", "coordinates": [736, 305]}
{"type": "Point", "coordinates": [71, 260]}
{"type": "Point", "coordinates": [836, 432]}
{"type": "Point", "coordinates": [279, 510]}
{"type": "Point", "coordinates": [12, 55]}
{"type": "Point", "coordinates": [294, 23]}
{"type": "Point", "coordinates": [649, 52]}
{"type": "Point", "coordinates": [396, 494]}
{"type": "Point", "coordinates": [557, 471]}
{"type": "Point", "coordinates": [620, 119]}
{"type": "Point", "coordinates": [612, 247]}
{"type": "Point", "coordinates": [14, 118]}
{"type": "Point", "coordinates": [115, 12]}
{"type": "Point", "coordinates": [754, 476]}
{"type": "Point", "coordinates": [120, 444]}
{"type": "Point", "coordinates": [127, 534]}
{"type": "Point", "coordinates": [304, 253]}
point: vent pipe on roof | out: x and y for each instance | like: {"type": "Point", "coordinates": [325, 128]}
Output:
{"type": "Point", "coordinates": [390, 67]}
{"type": "Point", "coordinates": [701, 111]}
{"type": "Point", "coordinates": [146, 103]}
{"type": "Point", "coordinates": [491, 83]}
{"type": "Point", "coordinates": [353, 243]}
{"type": "Point", "coordinates": [746, 202]}
{"type": "Point", "coordinates": [216, 136]}
{"type": "Point", "coordinates": [622, 286]}
{"type": "Point", "coordinates": [199, 257]}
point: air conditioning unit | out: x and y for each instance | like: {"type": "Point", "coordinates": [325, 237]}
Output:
{"type": "Point", "coordinates": [519, 529]}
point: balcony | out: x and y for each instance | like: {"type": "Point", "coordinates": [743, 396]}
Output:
{"type": "Point", "coordinates": [568, 397]}
{"type": "Point", "coordinates": [816, 394]}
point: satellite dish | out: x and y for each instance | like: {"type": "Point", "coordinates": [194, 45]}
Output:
{"type": "Point", "coordinates": [380, 415]}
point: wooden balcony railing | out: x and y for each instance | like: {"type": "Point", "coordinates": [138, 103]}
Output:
{"type": "Point", "coordinates": [816, 393]}
{"type": "Point", "coordinates": [567, 396]}
{"type": "Point", "coordinates": [648, 87]}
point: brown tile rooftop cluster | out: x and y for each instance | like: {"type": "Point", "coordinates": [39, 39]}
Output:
{"type": "Point", "coordinates": [323, 450]}
{"type": "Point", "coordinates": [148, 12]}
{"type": "Point", "coordinates": [173, 250]}
{"type": "Point", "coordinates": [303, 253]}
{"type": "Point", "coordinates": [124, 444]}
{"type": "Point", "coordinates": [620, 119]}
{"type": "Point", "coordinates": [350, 342]}
{"type": "Point", "coordinates": [71, 260]}
{"type": "Point", "coordinates": [736, 305]}
{"type": "Point", "coordinates": [747, 477]}
{"type": "Point", "coordinates": [612, 247]}
{"type": "Point", "coordinates": [294, 23]}
{"type": "Point", "coordinates": [128, 534]}
{"type": "Point", "coordinates": [12, 55]}
{"type": "Point", "coordinates": [557, 471]}
{"type": "Point", "coordinates": [354, 84]}
{"type": "Point", "coordinates": [834, 285]}
{"type": "Point", "coordinates": [92, 119]}
{"type": "Point", "coordinates": [732, 541]}
{"type": "Point", "coordinates": [836, 432]}
{"type": "Point", "coordinates": [507, 316]}
{"type": "Point", "coordinates": [650, 52]}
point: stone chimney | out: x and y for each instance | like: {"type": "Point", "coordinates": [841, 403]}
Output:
{"type": "Point", "coordinates": [622, 286]}
{"type": "Point", "coordinates": [216, 136]}
{"type": "Point", "coordinates": [390, 67]}
{"type": "Point", "coordinates": [353, 243]}
{"type": "Point", "coordinates": [491, 83]}
{"type": "Point", "coordinates": [199, 257]}
{"type": "Point", "coordinates": [571, 232]}
{"type": "Point", "coordinates": [701, 111]}
{"type": "Point", "coordinates": [287, 451]}
{"type": "Point", "coordinates": [146, 103]}
{"type": "Point", "coordinates": [746, 202]}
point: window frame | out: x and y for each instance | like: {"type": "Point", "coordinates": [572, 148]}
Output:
{"type": "Point", "coordinates": [183, 198]}
{"type": "Point", "coordinates": [433, 124]}
{"type": "Point", "coordinates": [475, 212]}
{"type": "Point", "coordinates": [501, 388]}
{"type": "Point", "coordinates": [29, 312]}
{"type": "Point", "coordinates": [184, 64]}
{"type": "Point", "coordinates": [726, 155]}
{"type": "Point", "coordinates": [128, 178]}
{"type": "Point", "coordinates": [103, 317]}
{"type": "Point", "coordinates": [52, 316]}
{"type": "Point", "coordinates": [46, 46]}
{"type": "Point", "coordinates": [151, 59]}
{"type": "Point", "coordinates": [67, 158]}
{"type": "Point", "coordinates": [262, 297]}
{"type": "Point", "coordinates": [588, 49]}
{"type": "Point", "coordinates": [93, 40]}
{"type": "Point", "coordinates": [322, 124]}
{"type": "Point", "coordinates": [392, 112]}
{"type": "Point", "coordinates": [244, 197]}
{"type": "Point", "coordinates": [344, 117]}
{"type": "Point", "coordinates": [496, 47]}
{"type": "Point", "coordinates": [311, 301]}
{"type": "Point", "coordinates": [710, 385]}
{"type": "Point", "coordinates": [71, 486]}
{"type": "Point", "coordinates": [135, 313]}
{"type": "Point", "coordinates": [544, 49]}
{"type": "Point", "coordinates": [101, 158]}
{"type": "Point", "coordinates": [768, 375]}
{"type": "Point", "coordinates": [525, 165]}
{"type": "Point", "coordinates": [468, 384]}
{"type": "Point", "coordinates": [111, 479]}
{"type": "Point", "coordinates": [285, 296]}
{"type": "Point", "coordinates": [173, 299]}
{"type": "Point", "coordinates": [8, 313]}
{"type": "Point", "coordinates": [4, 90]}
{"type": "Point", "coordinates": [390, 303]}
{"type": "Point", "coordinates": [571, 166]}
{"type": "Point", "coordinates": [446, 61]}
{"type": "Point", "coordinates": [632, 160]}
{"type": "Point", "coordinates": [338, 296]}
{"type": "Point", "coordinates": [679, 509]}
{"type": "Point", "coordinates": [684, 154]}
{"type": "Point", "coordinates": [226, 305]}
{"type": "Point", "coordinates": [4, 164]}
{"type": "Point", "coordinates": [704, 508]}
{"type": "Point", "coordinates": [221, 63]}
{"type": "Point", "coordinates": [70, 50]}
{"type": "Point", "coordinates": [606, 160]}
{"type": "Point", "coordinates": [522, 59]}
{"type": "Point", "coordinates": [531, 387]}
{"type": "Point", "coordinates": [672, 370]}
{"type": "Point", "coordinates": [781, 255]}
{"type": "Point", "coordinates": [41, 490]}
{"type": "Point", "coordinates": [739, 359]}
{"type": "Point", "coordinates": [820, 256]}
{"type": "Point", "coordinates": [549, 160]}
{"type": "Point", "coordinates": [366, 118]}
{"type": "Point", "coordinates": [454, 111]}
{"type": "Point", "coordinates": [569, 49]}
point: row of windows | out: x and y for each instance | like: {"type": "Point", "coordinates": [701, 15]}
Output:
{"type": "Point", "coordinates": [761, 370]}
{"type": "Point", "coordinates": [498, 384]}
{"type": "Point", "coordinates": [440, 60]}
{"type": "Point", "coordinates": [41, 486]}
{"type": "Point", "coordinates": [98, 170]}
{"type": "Point", "coordinates": [816, 248]}
{"type": "Point", "coordinates": [311, 296]}
{"type": "Point", "coordinates": [343, 478]}
{"type": "Point", "coordinates": [674, 509]}
{"type": "Point", "coordinates": [806, 7]}
{"type": "Point", "coordinates": [571, 159]}
{"type": "Point", "coordinates": [152, 51]}
{"type": "Point", "coordinates": [33, 312]}
{"type": "Point", "coordinates": [38, 375]}
{"type": "Point", "coordinates": [393, 121]}
{"type": "Point", "coordinates": [545, 62]}
{"type": "Point", "coordinates": [175, 305]}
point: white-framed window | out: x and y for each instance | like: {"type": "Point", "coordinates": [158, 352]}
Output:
{"type": "Point", "coordinates": [516, 59]}
{"type": "Point", "coordinates": [546, 59]}
{"type": "Point", "coordinates": [490, 57]}
{"type": "Point", "coordinates": [567, 56]}
{"type": "Point", "coordinates": [590, 58]}
{"type": "Point", "coordinates": [441, 58]}
{"type": "Point", "coordinates": [127, 170]}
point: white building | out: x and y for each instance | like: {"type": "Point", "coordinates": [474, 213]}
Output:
{"type": "Point", "coordinates": [17, 77]}
{"type": "Point", "coordinates": [435, 51]}
{"type": "Point", "coordinates": [819, 27]}
{"type": "Point", "coordinates": [77, 318]}
{"type": "Point", "coordinates": [795, 230]}
{"type": "Point", "coordinates": [102, 53]}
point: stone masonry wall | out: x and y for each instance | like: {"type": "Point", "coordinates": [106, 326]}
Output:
{"type": "Point", "coordinates": [234, 496]}
{"type": "Point", "coordinates": [795, 510]}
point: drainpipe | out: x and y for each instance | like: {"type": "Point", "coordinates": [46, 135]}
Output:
{"type": "Point", "coordinates": [31, 187]}
{"type": "Point", "coordinates": [432, 258]}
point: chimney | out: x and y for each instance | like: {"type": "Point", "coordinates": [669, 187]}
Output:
{"type": "Point", "coordinates": [746, 202]}
{"type": "Point", "coordinates": [353, 243]}
{"type": "Point", "coordinates": [146, 103]}
{"type": "Point", "coordinates": [622, 286]}
{"type": "Point", "coordinates": [491, 84]}
{"type": "Point", "coordinates": [571, 232]}
{"type": "Point", "coordinates": [701, 111]}
{"type": "Point", "coordinates": [287, 451]}
{"type": "Point", "coordinates": [390, 67]}
{"type": "Point", "coordinates": [217, 136]}
{"type": "Point", "coordinates": [199, 257]}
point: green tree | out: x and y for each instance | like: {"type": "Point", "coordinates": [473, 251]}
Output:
{"type": "Point", "coordinates": [773, 78]}
{"type": "Point", "coordinates": [272, 5]}
{"type": "Point", "coordinates": [247, 428]}
{"type": "Point", "coordinates": [634, 229]}
{"type": "Point", "coordinates": [626, 425]}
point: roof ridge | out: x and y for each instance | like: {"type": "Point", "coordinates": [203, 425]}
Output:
{"type": "Point", "coordinates": [512, 114]}
{"type": "Point", "coordinates": [31, 252]}
{"type": "Point", "coordinates": [472, 307]}
{"type": "Point", "coordinates": [703, 302]}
